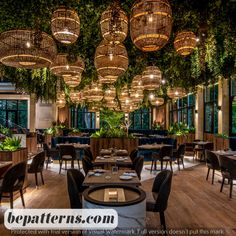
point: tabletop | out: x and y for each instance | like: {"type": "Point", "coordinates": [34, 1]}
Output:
{"type": "Point", "coordinates": [76, 145]}
{"type": "Point", "coordinates": [5, 163]}
{"type": "Point", "coordinates": [201, 143]}
{"type": "Point", "coordinates": [225, 153]}
{"type": "Point", "coordinates": [152, 146]}
{"type": "Point", "coordinates": [101, 177]}
{"type": "Point", "coordinates": [109, 159]}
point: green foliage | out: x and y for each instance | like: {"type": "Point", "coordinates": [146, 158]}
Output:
{"type": "Point", "coordinates": [111, 119]}
{"type": "Point", "coordinates": [74, 131]}
{"type": "Point", "coordinates": [5, 131]}
{"type": "Point", "coordinates": [179, 129]}
{"type": "Point", "coordinates": [214, 57]}
{"type": "Point", "coordinates": [222, 136]}
{"type": "Point", "coordinates": [10, 144]}
{"type": "Point", "coordinates": [54, 129]}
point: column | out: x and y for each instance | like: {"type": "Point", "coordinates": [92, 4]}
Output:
{"type": "Point", "coordinates": [199, 113]}
{"type": "Point", "coordinates": [223, 106]}
{"type": "Point", "coordinates": [32, 112]}
{"type": "Point", "coordinates": [167, 116]}
{"type": "Point", "coordinates": [97, 120]}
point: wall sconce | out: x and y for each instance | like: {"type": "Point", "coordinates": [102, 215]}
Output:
{"type": "Point", "coordinates": [196, 111]}
{"type": "Point", "coordinates": [219, 108]}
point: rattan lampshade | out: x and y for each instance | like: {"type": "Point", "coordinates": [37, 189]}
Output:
{"type": "Point", "coordinates": [136, 92]}
{"type": "Point", "coordinates": [150, 24]}
{"type": "Point", "coordinates": [75, 96]}
{"type": "Point", "coordinates": [111, 60]}
{"type": "Point", "coordinates": [157, 101]}
{"type": "Point", "coordinates": [27, 49]}
{"type": "Point", "coordinates": [61, 102]}
{"type": "Point", "coordinates": [151, 78]}
{"type": "Point", "coordinates": [84, 93]}
{"type": "Point", "coordinates": [185, 42]}
{"type": "Point", "coordinates": [176, 92]}
{"type": "Point", "coordinates": [94, 93]}
{"type": "Point", "coordinates": [62, 67]}
{"type": "Point", "coordinates": [65, 25]}
{"type": "Point", "coordinates": [114, 23]}
{"type": "Point", "coordinates": [110, 94]}
{"type": "Point", "coordinates": [72, 81]}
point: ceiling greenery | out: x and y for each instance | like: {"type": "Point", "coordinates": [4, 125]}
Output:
{"type": "Point", "coordinates": [214, 21]}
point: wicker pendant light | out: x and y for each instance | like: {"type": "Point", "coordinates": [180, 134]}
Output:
{"type": "Point", "coordinates": [150, 24]}
{"type": "Point", "coordinates": [114, 23]}
{"type": "Point", "coordinates": [75, 97]}
{"type": "Point", "coordinates": [185, 42]}
{"type": "Point", "coordinates": [65, 25]}
{"type": "Point", "coordinates": [62, 67]}
{"type": "Point", "coordinates": [136, 92]}
{"type": "Point", "coordinates": [157, 101]}
{"type": "Point", "coordinates": [111, 60]}
{"type": "Point", "coordinates": [27, 49]}
{"type": "Point", "coordinates": [176, 92]}
{"type": "Point", "coordinates": [94, 93]}
{"type": "Point", "coordinates": [110, 94]}
{"type": "Point", "coordinates": [72, 81]}
{"type": "Point", "coordinates": [61, 101]}
{"type": "Point", "coordinates": [151, 78]}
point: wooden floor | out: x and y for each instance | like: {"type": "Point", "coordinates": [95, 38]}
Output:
{"type": "Point", "coordinates": [194, 204]}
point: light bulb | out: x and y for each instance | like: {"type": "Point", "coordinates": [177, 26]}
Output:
{"type": "Point", "coordinates": [176, 93]}
{"type": "Point", "coordinates": [163, 81]}
{"type": "Point", "coordinates": [110, 56]}
{"type": "Point", "coordinates": [151, 76]}
{"type": "Point", "coordinates": [28, 44]}
{"type": "Point", "coordinates": [197, 39]}
{"type": "Point", "coordinates": [150, 18]}
{"type": "Point", "coordinates": [151, 96]}
{"type": "Point", "coordinates": [67, 67]}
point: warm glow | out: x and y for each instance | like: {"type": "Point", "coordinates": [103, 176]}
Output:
{"type": "Point", "coordinates": [111, 56]}
{"type": "Point", "coordinates": [197, 39]}
{"type": "Point", "coordinates": [67, 67]}
{"type": "Point", "coordinates": [151, 96]}
{"type": "Point", "coordinates": [151, 76]}
{"type": "Point", "coordinates": [150, 18]}
{"type": "Point", "coordinates": [163, 81]}
{"type": "Point", "coordinates": [176, 92]}
{"type": "Point", "coordinates": [28, 44]}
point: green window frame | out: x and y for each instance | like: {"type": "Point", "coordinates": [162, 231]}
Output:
{"type": "Point", "coordinates": [140, 119]}
{"type": "Point", "coordinates": [81, 118]}
{"type": "Point", "coordinates": [211, 109]}
{"type": "Point", "coordinates": [14, 113]}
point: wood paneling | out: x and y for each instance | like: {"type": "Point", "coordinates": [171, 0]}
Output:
{"type": "Point", "coordinates": [31, 144]}
{"type": "Point", "coordinates": [96, 144]}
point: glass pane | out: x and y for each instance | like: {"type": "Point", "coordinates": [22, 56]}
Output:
{"type": "Point", "coordinates": [190, 117]}
{"type": "Point", "coordinates": [207, 95]}
{"type": "Point", "coordinates": [185, 101]}
{"type": "Point", "coordinates": [137, 120]}
{"type": "Point", "coordinates": [11, 104]}
{"type": "Point", "coordinates": [80, 120]}
{"type": "Point", "coordinates": [11, 116]}
{"type": "Point", "coordinates": [22, 105]}
{"type": "Point", "coordinates": [216, 92]}
{"type": "Point", "coordinates": [3, 118]}
{"type": "Point", "coordinates": [233, 125]}
{"type": "Point", "coordinates": [180, 103]}
{"type": "Point", "coordinates": [2, 105]}
{"type": "Point", "coordinates": [22, 118]}
{"type": "Point", "coordinates": [145, 119]}
{"type": "Point", "coordinates": [180, 116]}
{"type": "Point", "coordinates": [233, 87]}
{"type": "Point", "coordinates": [208, 118]}
{"type": "Point", "coordinates": [185, 116]}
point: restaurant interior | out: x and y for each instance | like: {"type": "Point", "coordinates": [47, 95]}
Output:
{"type": "Point", "coordinates": [124, 105]}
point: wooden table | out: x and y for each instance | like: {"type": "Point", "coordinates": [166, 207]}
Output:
{"type": "Point", "coordinates": [108, 178]}
{"type": "Point", "coordinates": [202, 144]}
{"type": "Point", "coordinates": [229, 154]}
{"type": "Point", "coordinates": [4, 166]}
{"type": "Point", "coordinates": [108, 161]}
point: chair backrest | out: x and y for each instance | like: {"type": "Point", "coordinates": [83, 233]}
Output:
{"type": "Point", "coordinates": [87, 164]}
{"type": "Point", "coordinates": [133, 154]}
{"type": "Point", "coordinates": [166, 151]}
{"type": "Point", "coordinates": [46, 149]}
{"type": "Point", "coordinates": [162, 186]}
{"type": "Point", "coordinates": [37, 163]}
{"type": "Point", "coordinates": [75, 180]}
{"type": "Point", "coordinates": [181, 150]}
{"type": "Point", "coordinates": [229, 165]}
{"type": "Point", "coordinates": [138, 165]}
{"type": "Point", "coordinates": [88, 153]}
{"type": "Point", "coordinates": [14, 178]}
{"type": "Point", "coordinates": [212, 159]}
{"type": "Point", "coordinates": [67, 149]}
{"type": "Point", "coordinates": [209, 146]}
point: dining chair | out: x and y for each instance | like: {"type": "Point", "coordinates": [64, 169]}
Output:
{"type": "Point", "coordinates": [212, 163]}
{"type": "Point", "coordinates": [165, 155]}
{"type": "Point", "coordinates": [75, 187]}
{"type": "Point", "coordinates": [13, 181]}
{"type": "Point", "coordinates": [50, 153]}
{"type": "Point", "coordinates": [86, 164]}
{"type": "Point", "coordinates": [179, 155]}
{"type": "Point", "coordinates": [228, 171]}
{"type": "Point", "coordinates": [66, 153]}
{"type": "Point", "coordinates": [138, 165]}
{"type": "Point", "coordinates": [36, 166]}
{"type": "Point", "coordinates": [133, 154]}
{"type": "Point", "coordinates": [157, 201]}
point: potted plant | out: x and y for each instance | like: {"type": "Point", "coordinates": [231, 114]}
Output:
{"type": "Point", "coordinates": [221, 142]}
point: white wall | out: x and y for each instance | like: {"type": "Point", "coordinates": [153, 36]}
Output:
{"type": "Point", "coordinates": [45, 114]}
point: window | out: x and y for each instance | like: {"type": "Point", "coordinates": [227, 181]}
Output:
{"type": "Point", "coordinates": [182, 110]}
{"type": "Point", "coordinates": [81, 118]}
{"type": "Point", "coordinates": [211, 109]}
{"type": "Point", "coordinates": [233, 107]}
{"type": "Point", "coordinates": [140, 119]}
{"type": "Point", "coordinates": [14, 113]}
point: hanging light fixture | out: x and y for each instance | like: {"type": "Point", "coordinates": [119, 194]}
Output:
{"type": "Point", "coordinates": [127, 104]}
{"type": "Point", "coordinates": [61, 101]}
{"type": "Point", "coordinates": [75, 96]}
{"type": "Point", "coordinates": [157, 101]}
{"type": "Point", "coordinates": [176, 92]}
{"type": "Point", "coordinates": [114, 23]}
{"type": "Point", "coordinates": [185, 42]}
{"type": "Point", "coordinates": [27, 49]}
{"type": "Point", "coordinates": [94, 93]}
{"type": "Point", "coordinates": [150, 24]}
{"type": "Point", "coordinates": [136, 91]}
{"type": "Point", "coordinates": [151, 78]}
{"type": "Point", "coordinates": [111, 61]}
{"type": "Point", "coordinates": [65, 25]}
